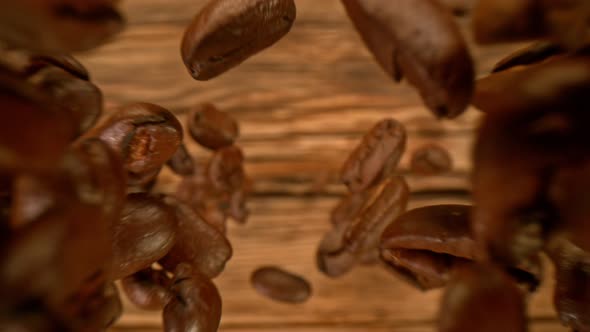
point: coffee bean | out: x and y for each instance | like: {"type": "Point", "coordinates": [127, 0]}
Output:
{"type": "Point", "coordinates": [226, 169]}
{"type": "Point", "coordinates": [148, 289]}
{"type": "Point", "coordinates": [182, 162]}
{"type": "Point", "coordinates": [280, 285]}
{"type": "Point", "coordinates": [482, 298]}
{"type": "Point", "coordinates": [395, 33]}
{"type": "Point", "coordinates": [212, 128]}
{"type": "Point", "coordinates": [431, 159]}
{"type": "Point", "coordinates": [531, 54]}
{"type": "Point", "coordinates": [196, 304]}
{"type": "Point", "coordinates": [376, 157]}
{"type": "Point", "coordinates": [226, 32]}
{"type": "Point", "coordinates": [65, 62]}
{"type": "Point", "coordinates": [332, 257]}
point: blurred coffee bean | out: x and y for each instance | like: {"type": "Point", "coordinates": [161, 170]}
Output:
{"type": "Point", "coordinates": [182, 162]}
{"type": "Point", "coordinates": [483, 299]}
{"type": "Point", "coordinates": [65, 62]}
{"type": "Point", "coordinates": [196, 304]}
{"type": "Point", "coordinates": [431, 159]}
{"type": "Point", "coordinates": [226, 169]}
{"type": "Point", "coordinates": [101, 310]}
{"type": "Point", "coordinates": [280, 285]}
{"type": "Point", "coordinates": [348, 208]}
{"type": "Point", "coordinates": [531, 54]}
{"type": "Point", "coordinates": [238, 210]}
{"type": "Point", "coordinates": [212, 128]}
{"type": "Point", "coordinates": [148, 289]}
{"type": "Point", "coordinates": [59, 26]}
{"type": "Point", "coordinates": [572, 283]}
{"type": "Point", "coordinates": [376, 157]}
{"type": "Point", "coordinates": [427, 245]}
{"type": "Point", "coordinates": [507, 20]}
{"type": "Point", "coordinates": [332, 257]}
{"type": "Point", "coordinates": [145, 233]}
{"type": "Point", "coordinates": [81, 99]}
{"type": "Point", "coordinates": [197, 243]}
{"type": "Point", "coordinates": [145, 135]}
{"type": "Point", "coordinates": [444, 78]}
{"type": "Point", "coordinates": [226, 32]}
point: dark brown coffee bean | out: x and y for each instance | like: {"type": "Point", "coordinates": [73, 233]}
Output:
{"type": "Point", "coordinates": [59, 26]}
{"type": "Point", "coordinates": [376, 157]}
{"type": "Point", "coordinates": [332, 257]}
{"type": "Point", "coordinates": [225, 33]}
{"type": "Point", "coordinates": [81, 99]}
{"type": "Point", "coordinates": [148, 289]}
{"type": "Point", "coordinates": [280, 285]}
{"type": "Point", "coordinates": [36, 117]}
{"type": "Point", "coordinates": [534, 53]}
{"type": "Point", "coordinates": [431, 159]}
{"type": "Point", "coordinates": [444, 78]}
{"type": "Point", "coordinates": [196, 304]}
{"type": "Point", "coordinates": [226, 169]}
{"type": "Point", "coordinates": [65, 62]}
{"type": "Point", "coordinates": [182, 162]}
{"type": "Point", "coordinates": [145, 135]}
{"type": "Point", "coordinates": [507, 20]}
{"type": "Point", "coordinates": [212, 128]}
{"type": "Point", "coordinates": [379, 42]}
{"type": "Point", "coordinates": [197, 243]}
{"type": "Point", "coordinates": [572, 286]}
{"type": "Point", "coordinates": [427, 245]}
{"type": "Point", "coordinates": [482, 298]}
{"type": "Point", "coordinates": [145, 233]}
{"type": "Point", "coordinates": [557, 83]}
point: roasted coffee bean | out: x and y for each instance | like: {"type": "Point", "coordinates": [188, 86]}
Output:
{"type": "Point", "coordinates": [65, 62]}
{"type": "Point", "coordinates": [182, 162]}
{"type": "Point", "coordinates": [427, 245]}
{"type": "Point", "coordinates": [332, 257]}
{"type": "Point", "coordinates": [431, 159]}
{"type": "Point", "coordinates": [101, 310]}
{"type": "Point", "coordinates": [376, 157]}
{"type": "Point", "coordinates": [384, 204]}
{"type": "Point", "coordinates": [59, 26]}
{"type": "Point", "coordinates": [197, 243]}
{"type": "Point", "coordinates": [484, 299]}
{"type": "Point", "coordinates": [212, 128]}
{"type": "Point", "coordinates": [555, 84]}
{"type": "Point", "coordinates": [572, 286]}
{"type": "Point", "coordinates": [145, 233]}
{"type": "Point", "coordinates": [531, 54]}
{"type": "Point", "coordinates": [379, 42]}
{"type": "Point", "coordinates": [238, 210]}
{"type": "Point", "coordinates": [145, 135]}
{"type": "Point", "coordinates": [81, 99]}
{"type": "Point", "coordinates": [348, 208]}
{"type": "Point", "coordinates": [507, 20]}
{"type": "Point", "coordinates": [196, 304]}
{"type": "Point", "coordinates": [394, 32]}
{"type": "Point", "coordinates": [280, 285]}
{"type": "Point", "coordinates": [148, 289]}
{"type": "Point", "coordinates": [227, 32]}
{"type": "Point", "coordinates": [226, 169]}
{"type": "Point", "coordinates": [36, 117]}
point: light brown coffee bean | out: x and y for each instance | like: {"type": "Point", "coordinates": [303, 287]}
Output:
{"type": "Point", "coordinates": [212, 128]}
{"type": "Point", "coordinates": [431, 159]}
{"type": "Point", "coordinates": [348, 208]}
{"type": "Point", "coordinates": [196, 304]}
{"type": "Point", "coordinates": [227, 32]}
{"type": "Point", "coordinates": [226, 169]}
{"type": "Point", "coordinates": [148, 289]}
{"type": "Point", "coordinates": [332, 257]}
{"type": "Point", "coordinates": [482, 298]}
{"type": "Point", "coordinates": [280, 285]}
{"type": "Point", "coordinates": [443, 78]}
{"type": "Point", "coordinates": [376, 157]}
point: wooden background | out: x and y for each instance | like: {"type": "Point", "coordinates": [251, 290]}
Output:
{"type": "Point", "coordinates": [302, 106]}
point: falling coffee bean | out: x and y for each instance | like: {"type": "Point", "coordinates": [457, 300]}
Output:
{"type": "Point", "coordinates": [212, 128]}
{"type": "Point", "coordinates": [148, 289]}
{"type": "Point", "coordinates": [431, 159]}
{"type": "Point", "coordinates": [280, 285]}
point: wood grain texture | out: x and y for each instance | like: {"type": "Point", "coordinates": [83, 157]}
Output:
{"type": "Point", "coordinates": [302, 106]}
